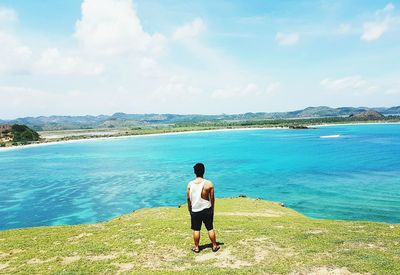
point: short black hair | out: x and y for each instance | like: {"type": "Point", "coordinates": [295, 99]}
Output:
{"type": "Point", "coordinates": [199, 169]}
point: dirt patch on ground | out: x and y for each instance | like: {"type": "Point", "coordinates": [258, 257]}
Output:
{"type": "Point", "coordinates": [279, 226]}
{"type": "Point", "coordinates": [160, 213]}
{"type": "Point", "coordinates": [264, 247]}
{"type": "Point", "coordinates": [325, 271]}
{"type": "Point", "coordinates": [222, 259]}
{"type": "Point", "coordinates": [137, 241]}
{"type": "Point", "coordinates": [251, 214]}
{"type": "Point", "coordinates": [324, 255]}
{"type": "Point", "coordinates": [357, 228]}
{"type": "Point", "coordinates": [123, 267]}
{"type": "Point", "coordinates": [316, 231]}
{"type": "Point", "coordinates": [233, 231]}
{"type": "Point", "coordinates": [152, 243]}
{"type": "Point", "coordinates": [162, 258]}
{"type": "Point", "coordinates": [93, 258]}
{"type": "Point", "coordinates": [360, 245]}
{"type": "Point", "coordinates": [3, 266]}
{"type": "Point", "coordinates": [71, 259]}
{"type": "Point", "coordinates": [260, 254]}
{"type": "Point", "coordinates": [16, 251]}
{"type": "Point", "coordinates": [102, 257]}
{"type": "Point", "coordinates": [80, 236]}
{"type": "Point", "coordinates": [98, 226]}
{"type": "Point", "coordinates": [40, 261]}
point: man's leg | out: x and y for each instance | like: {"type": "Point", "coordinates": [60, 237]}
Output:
{"type": "Point", "coordinates": [196, 227]}
{"type": "Point", "coordinates": [213, 238]}
{"type": "Point", "coordinates": [196, 238]}
{"type": "Point", "coordinates": [208, 222]}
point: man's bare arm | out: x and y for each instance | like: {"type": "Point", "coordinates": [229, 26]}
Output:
{"type": "Point", "coordinates": [212, 197]}
{"type": "Point", "coordinates": [188, 199]}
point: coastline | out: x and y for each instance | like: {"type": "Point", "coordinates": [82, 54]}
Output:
{"type": "Point", "coordinates": [16, 147]}
{"type": "Point", "coordinates": [353, 123]}
{"type": "Point", "coordinates": [13, 147]}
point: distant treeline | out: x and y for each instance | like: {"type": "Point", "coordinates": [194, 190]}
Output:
{"type": "Point", "coordinates": [123, 120]}
{"type": "Point", "coordinates": [291, 122]}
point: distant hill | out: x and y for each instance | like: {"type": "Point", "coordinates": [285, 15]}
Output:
{"type": "Point", "coordinates": [20, 134]}
{"type": "Point", "coordinates": [392, 110]}
{"type": "Point", "coordinates": [368, 115]}
{"type": "Point", "coordinates": [119, 120]}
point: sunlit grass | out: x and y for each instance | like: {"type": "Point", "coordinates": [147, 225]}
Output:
{"type": "Point", "coordinates": [255, 235]}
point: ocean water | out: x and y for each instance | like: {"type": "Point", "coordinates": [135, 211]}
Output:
{"type": "Point", "coordinates": [335, 172]}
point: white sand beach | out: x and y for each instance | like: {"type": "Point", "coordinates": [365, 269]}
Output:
{"type": "Point", "coordinates": [10, 148]}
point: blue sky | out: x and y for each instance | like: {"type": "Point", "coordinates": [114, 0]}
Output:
{"type": "Point", "coordinates": [76, 57]}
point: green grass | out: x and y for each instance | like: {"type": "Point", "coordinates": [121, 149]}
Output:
{"type": "Point", "coordinates": [257, 236]}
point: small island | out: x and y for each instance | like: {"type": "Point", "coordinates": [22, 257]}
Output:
{"type": "Point", "coordinates": [299, 127]}
{"type": "Point", "coordinates": [369, 115]}
{"type": "Point", "coordinates": [17, 134]}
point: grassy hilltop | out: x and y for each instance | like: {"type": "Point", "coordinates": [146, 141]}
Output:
{"type": "Point", "coordinates": [257, 237]}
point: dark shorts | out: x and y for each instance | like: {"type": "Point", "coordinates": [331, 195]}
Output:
{"type": "Point", "coordinates": [205, 216]}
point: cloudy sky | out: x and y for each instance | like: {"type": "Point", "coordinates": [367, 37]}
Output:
{"type": "Point", "coordinates": [74, 57]}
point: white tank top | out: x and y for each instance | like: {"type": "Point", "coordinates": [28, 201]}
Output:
{"type": "Point", "coordinates": [198, 203]}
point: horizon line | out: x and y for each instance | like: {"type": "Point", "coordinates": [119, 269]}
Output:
{"type": "Point", "coordinates": [196, 114]}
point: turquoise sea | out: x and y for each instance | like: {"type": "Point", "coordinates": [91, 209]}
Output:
{"type": "Point", "coordinates": [353, 176]}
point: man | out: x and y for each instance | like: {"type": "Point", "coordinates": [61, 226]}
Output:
{"type": "Point", "coordinates": [201, 201]}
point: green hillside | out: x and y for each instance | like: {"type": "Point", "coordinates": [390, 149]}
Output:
{"type": "Point", "coordinates": [123, 120]}
{"type": "Point", "coordinates": [17, 135]}
{"type": "Point", "coordinates": [256, 237]}
{"type": "Point", "coordinates": [23, 134]}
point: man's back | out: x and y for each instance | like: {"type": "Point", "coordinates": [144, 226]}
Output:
{"type": "Point", "coordinates": [208, 187]}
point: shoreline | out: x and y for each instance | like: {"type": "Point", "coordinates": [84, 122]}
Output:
{"type": "Point", "coordinates": [17, 147]}
{"type": "Point", "coordinates": [353, 123]}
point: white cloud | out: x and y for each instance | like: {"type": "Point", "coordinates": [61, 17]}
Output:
{"type": "Point", "coordinates": [249, 90]}
{"type": "Point", "coordinates": [344, 29]}
{"type": "Point", "coordinates": [190, 30]}
{"type": "Point", "coordinates": [18, 58]}
{"type": "Point", "coordinates": [53, 62]}
{"type": "Point", "coordinates": [33, 101]}
{"type": "Point", "coordinates": [176, 87]}
{"type": "Point", "coordinates": [111, 27]}
{"type": "Point", "coordinates": [14, 55]}
{"type": "Point", "coordinates": [393, 89]}
{"type": "Point", "coordinates": [287, 39]}
{"type": "Point", "coordinates": [373, 30]}
{"type": "Point", "coordinates": [389, 7]}
{"type": "Point", "coordinates": [354, 84]}
{"type": "Point", "coordinates": [7, 16]}
{"type": "Point", "coordinates": [26, 101]}
{"type": "Point", "coordinates": [350, 82]}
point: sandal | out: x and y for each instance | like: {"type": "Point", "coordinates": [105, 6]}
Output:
{"type": "Point", "coordinates": [215, 249]}
{"type": "Point", "coordinates": [195, 250]}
